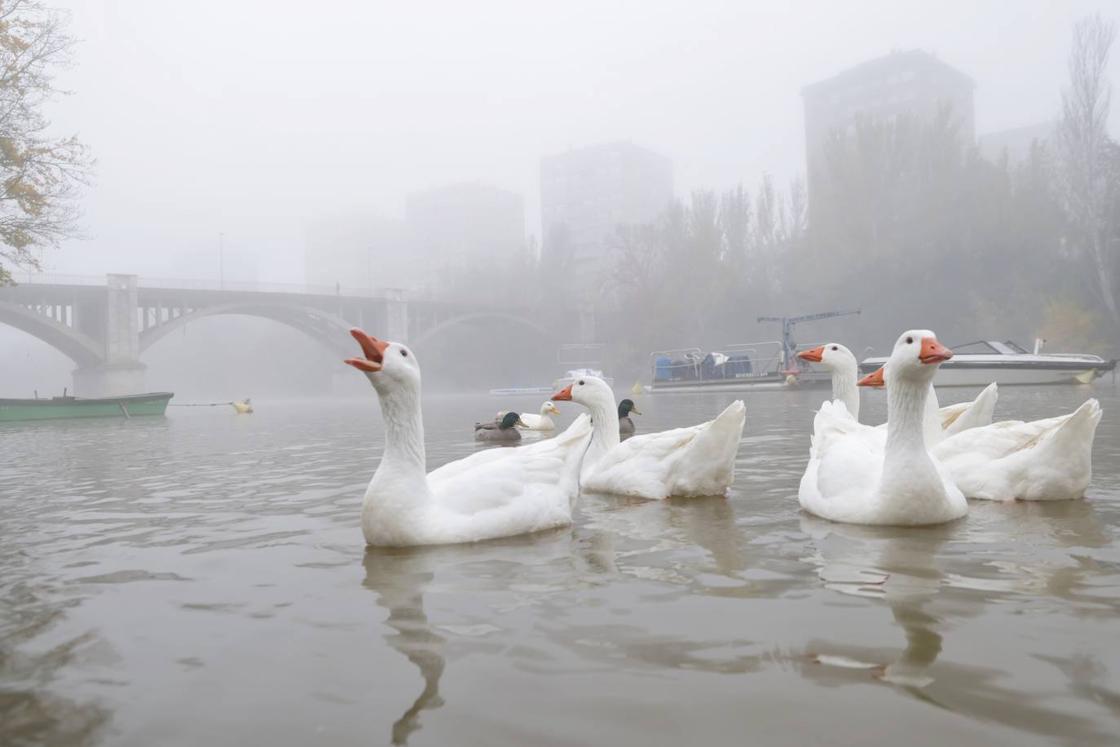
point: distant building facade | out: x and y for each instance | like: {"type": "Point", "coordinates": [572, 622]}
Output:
{"type": "Point", "coordinates": [455, 226]}
{"type": "Point", "coordinates": [913, 83]}
{"type": "Point", "coordinates": [588, 192]}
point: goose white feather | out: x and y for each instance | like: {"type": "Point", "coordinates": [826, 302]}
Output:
{"type": "Point", "coordinates": [496, 493]}
{"type": "Point", "coordinates": [683, 462]}
{"type": "Point", "coordinates": [1050, 459]}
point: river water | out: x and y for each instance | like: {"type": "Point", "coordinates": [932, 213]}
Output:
{"type": "Point", "coordinates": [202, 579]}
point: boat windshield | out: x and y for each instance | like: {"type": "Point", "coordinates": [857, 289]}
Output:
{"type": "Point", "coordinates": [989, 347]}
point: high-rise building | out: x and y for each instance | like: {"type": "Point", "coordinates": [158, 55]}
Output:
{"type": "Point", "coordinates": [913, 83]}
{"type": "Point", "coordinates": [460, 225]}
{"type": "Point", "coordinates": [588, 192]}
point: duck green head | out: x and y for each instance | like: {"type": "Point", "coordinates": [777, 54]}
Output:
{"type": "Point", "coordinates": [509, 420]}
{"type": "Point", "coordinates": [627, 406]}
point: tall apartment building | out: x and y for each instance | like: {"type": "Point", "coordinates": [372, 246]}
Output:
{"type": "Point", "coordinates": [913, 83]}
{"type": "Point", "coordinates": [588, 192]}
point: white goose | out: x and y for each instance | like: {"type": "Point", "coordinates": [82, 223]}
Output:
{"type": "Point", "coordinates": [683, 462]}
{"type": "Point", "coordinates": [495, 493]}
{"type": "Point", "coordinates": [541, 422]}
{"type": "Point", "coordinates": [1040, 460]}
{"type": "Point", "coordinates": [842, 364]}
{"type": "Point", "coordinates": [850, 478]}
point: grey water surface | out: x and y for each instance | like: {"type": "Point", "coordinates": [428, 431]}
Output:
{"type": "Point", "coordinates": [202, 579]}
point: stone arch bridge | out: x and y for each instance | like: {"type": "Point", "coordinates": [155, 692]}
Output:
{"type": "Point", "coordinates": [106, 326]}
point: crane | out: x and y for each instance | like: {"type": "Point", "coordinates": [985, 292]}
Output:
{"type": "Point", "coordinates": [789, 347]}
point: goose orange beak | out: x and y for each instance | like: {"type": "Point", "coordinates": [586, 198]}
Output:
{"type": "Point", "coordinates": [875, 378]}
{"type": "Point", "coordinates": [564, 395]}
{"type": "Point", "coordinates": [933, 351]}
{"type": "Point", "coordinates": [373, 350]}
{"type": "Point", "coordinates": [813, 355]}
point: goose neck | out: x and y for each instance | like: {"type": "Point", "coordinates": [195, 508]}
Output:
{"type": "Point", "coordinates": [404, 431]}
{"type": "Point", "coordinates": [845, 389]}
{"type": "Point", "coordinates": [906, 416]}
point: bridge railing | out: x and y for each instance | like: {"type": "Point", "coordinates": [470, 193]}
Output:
{"type": "Point", "coordinates": [144, 281]}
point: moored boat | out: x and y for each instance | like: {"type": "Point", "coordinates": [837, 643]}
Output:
{"type": "Point", "coordinates": [1006, 363]}
{"type": "Point", "coordinates": [738, 367]}
{"type": "Point", "coordinates": [55, 408]}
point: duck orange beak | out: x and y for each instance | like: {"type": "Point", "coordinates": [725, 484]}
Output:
{"type": "Point", "coordinates": [933, 351]}
{"type": "Point", "coordinates": [875, 378]}
{"type": "Point", "coordinates": [564, 395]}
{"type": "Point", "coordinates": [373, 350]}
{"type": "Point", "coordinates": [813, 355]}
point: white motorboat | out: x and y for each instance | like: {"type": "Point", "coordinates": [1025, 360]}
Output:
{"type": "Point", "coordinates": [982, 362]}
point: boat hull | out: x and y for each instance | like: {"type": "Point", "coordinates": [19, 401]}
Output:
{"type": "Point", "coordinates": [1009, 373]}
{"type": "Point", "coordinates": [59, 408]}
{"type": "Point", "coordinates": [743, 384]}
{"type": "Point", "coordinates": [980, 376]}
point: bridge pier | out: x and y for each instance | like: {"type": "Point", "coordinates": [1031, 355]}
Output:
{"type": "Point", "coordinates": [109, 380]}
{"type": "Point", "coordinates": [121, 372]}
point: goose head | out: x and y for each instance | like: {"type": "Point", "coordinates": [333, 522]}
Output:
{"type": "Point", "coordinates": [833, 356]}
{"type": "Point", "coordinates": [549, 408]}
{"type": "Point", "coordinates": [589, 391]}
{"type": "Point", "coordinates": [627, 406]}
{"type": "Point", "coordinates": [388, 365]}
{"type": "Point", "coordinates": [915, 358]}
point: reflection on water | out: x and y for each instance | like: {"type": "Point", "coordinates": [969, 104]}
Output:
{"type": "Point", "coordinates": [399, 577]}
{"type": "Point", "coordinates": [154, 570]}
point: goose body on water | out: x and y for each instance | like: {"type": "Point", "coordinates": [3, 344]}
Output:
{"type": "Point", "coordinates": [853, 476]}
{"type": "Point", "coordinates": [540, 422]}
{"type": "Point", "coordinates": [1038, 460]}
{"type": "Point", "coordinates": [494, 493]}
{"type": "Point", "coordinates": [683, 462]}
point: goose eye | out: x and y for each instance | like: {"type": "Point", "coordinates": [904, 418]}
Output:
{"type": "Point", "coordinates": [834, 347]}
{"type": "Point", "coordinates": [909, 340]}
{"type": "Point", "coordinates": [404, 353]}
{"type": "Point", "coordinates": [581, 382]}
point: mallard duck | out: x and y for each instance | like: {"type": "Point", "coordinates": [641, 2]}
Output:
{"type": "Point", "coordinates": [503, 431]}
{"type": "Point", "coordinates": [625, 424]}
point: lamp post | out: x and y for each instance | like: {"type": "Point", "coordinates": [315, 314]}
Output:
{"type": "Point", "coordinates": [221, 261]}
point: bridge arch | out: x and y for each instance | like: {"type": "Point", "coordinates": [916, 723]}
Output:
{"type": "Point", "coordinates": [324, 327]}
{"type": "Point", "coordinates": [78, 347]}
{"type": "Point", "coordinates": [448, 324]}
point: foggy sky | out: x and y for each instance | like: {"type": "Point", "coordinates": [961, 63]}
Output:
{"type": "Point", "coordinates": [256, 117]}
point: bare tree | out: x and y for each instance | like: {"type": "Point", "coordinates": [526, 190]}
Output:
{"type": "Point", "coordinates": [39, 174]}
{"type": "Point", "coordinates": [1087, 184]}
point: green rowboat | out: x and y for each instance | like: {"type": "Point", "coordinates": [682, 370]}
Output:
{"type": "Point", "coordinates": [153, 403]}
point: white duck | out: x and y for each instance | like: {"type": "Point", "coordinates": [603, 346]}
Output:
{"type": "Point", "coordinates": [495, 493]}
{"type": "Point", "coordinates": [541, 422]}
{"type": "Point", "coordinates": [852, 478]}
{"type": "Point", "coordinates": [683, 462]}
{"type": "Point", "coordinates": [842, 364]}
{"type": "Point", "coordinates": [1039, 460]}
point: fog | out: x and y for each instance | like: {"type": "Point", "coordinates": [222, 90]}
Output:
{"type": "Point", "coordinates": [266, 123]}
